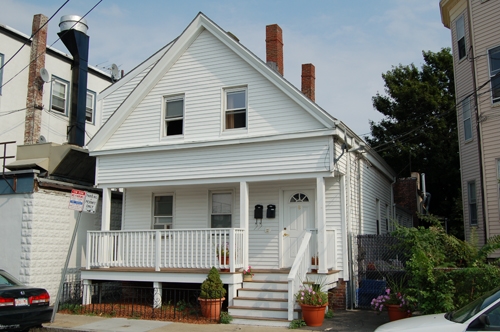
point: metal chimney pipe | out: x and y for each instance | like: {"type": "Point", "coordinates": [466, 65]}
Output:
{"type": "Point", "coordinates": [74, 36]}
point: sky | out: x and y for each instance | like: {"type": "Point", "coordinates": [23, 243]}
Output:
{"type": "Point", "coordinates": [351, 43]}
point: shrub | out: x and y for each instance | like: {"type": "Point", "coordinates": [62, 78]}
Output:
{"type": "Point", "coordinates": [212, 287]}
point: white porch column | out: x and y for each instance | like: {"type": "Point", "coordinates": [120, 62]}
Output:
{"type": "Point", "coordinates": [157, 295]}
{"type": "Point", "coordinates": [321, 218]}
{"type": "Point", "coordinates": [244, 208]}
{"type": "Point", "coordinates": [87, 292]}
{"type": "Point", "coordinates": [106, 209]}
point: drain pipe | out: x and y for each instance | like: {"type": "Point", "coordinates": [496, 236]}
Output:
{"type": "Point", "coordinates": [74, 36]}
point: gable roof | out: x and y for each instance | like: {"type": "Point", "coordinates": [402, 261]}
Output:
{"type": "Point", "coordinates": [168, 58]}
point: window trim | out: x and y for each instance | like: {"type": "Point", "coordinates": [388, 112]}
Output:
{"type": "Point", "coordinates": [497, 99]}
{"type": "Point", "coordinates": [472, 202]}
{"type": "Point", "coordinates": [94, 97]}
{"type": "Point", "coordinates": [153, 214]}
{"type": "Point", "coordinates": [462, 19]}
{"type": "Point", "coordinates": [210, 213]}
{"type": "Point", "coordinates": [66, 104]}
{"type": "Point", "coordinates": [468, 120]}
{"type": "Point", "coordinates": [225, 91]}
{"type": "Point", "coordinates": [2, 58]}
{"type": "Point", "coordinates": [164, 120]}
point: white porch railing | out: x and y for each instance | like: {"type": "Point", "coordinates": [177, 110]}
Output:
{"type": "Point", "coordinates": [298, 272]}
{"type": "Point", "coordinates": [173, 248]}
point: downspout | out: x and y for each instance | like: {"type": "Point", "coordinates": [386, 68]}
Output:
{"type": "Point", "coordinates": [476, 107]}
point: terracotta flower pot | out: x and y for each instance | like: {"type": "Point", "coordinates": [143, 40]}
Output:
{"type": "Point", "coordinates": [224, 261]}
{"type": "Point", "coordinates": [313, 315]}
{"type": "Point", "coordinates": [247, 277]}
{"type": "Point", "coordinates": [395, 312]}
{"type": "Point", "coordinates": [210, 308]}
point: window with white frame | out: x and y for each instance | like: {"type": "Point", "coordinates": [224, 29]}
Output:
{"type": "Point", "coordinates": [163, 211]}
{"type": "Point", "coordinates": [59, 95]}
{"type": "Point", "coordinates": [460, 28]}
{"type": "Point", "coordinates": [235, 112]}
{"type": "Point", "coordinates": [90, 106]}
{"type": "Point", "coordinates": [466, 115]}
{"type": "Point", "coordinates": [494, 62]}
{"type": "Point", "coordinates": [1, 72]}
{"type": "Point", "coordinates": [174, 116]}
{"type": "Point", "coordinates": [471, 191]}
{"type": "Point", "coordinates": [221, 210]}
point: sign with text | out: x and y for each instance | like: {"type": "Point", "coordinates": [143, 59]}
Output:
{"type": "Point", "coordinates": [83, 201]}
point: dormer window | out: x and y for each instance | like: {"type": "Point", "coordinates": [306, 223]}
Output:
{"type": "Point", "coordinates": [235, 112]}
{"type": "Point", "coordinates": [174, 116]}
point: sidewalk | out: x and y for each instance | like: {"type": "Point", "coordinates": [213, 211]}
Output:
{"type": "Point", "coordinates": [350, 320]}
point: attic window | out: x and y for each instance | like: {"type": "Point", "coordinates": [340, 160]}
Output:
{"type": "Point", "coordinates": [235, 112]}
{"type": "Point", "coordinates": [174, 116]}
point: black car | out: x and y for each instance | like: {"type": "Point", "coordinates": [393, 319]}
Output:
{"type": "Point", "coordinates": [22, 307]}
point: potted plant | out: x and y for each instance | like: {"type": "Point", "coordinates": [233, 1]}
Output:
{"type": "Point", "coordinates": [313, 302]}
{"type": "Point", "coordinates": [223, 255]}
{"type": "Point", "coordinates": [247, 274]}
{"type": "Point", "coordinates": [396, 303]}
{"type": "Point", "coordinates": [212, 295]}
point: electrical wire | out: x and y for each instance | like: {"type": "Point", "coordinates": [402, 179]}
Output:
{"type": "Point", "coordinates": [41, 53]}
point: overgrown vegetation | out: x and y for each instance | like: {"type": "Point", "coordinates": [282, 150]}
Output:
{"type": "Point", "coordinates": [445, 273]}
{"type": "Point", "coordinates": [225, 317]}
{"type": "Point", "coordinates": [296, 323]}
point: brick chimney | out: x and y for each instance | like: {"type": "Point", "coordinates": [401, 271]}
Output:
{"type": "Point", "coordinates": [33, 120]}
{"type": "Point", "coordinates": [274, 47]}
{"type": "Point", "coordinates": [309, 81]}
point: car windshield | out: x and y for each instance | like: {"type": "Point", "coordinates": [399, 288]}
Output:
{"type": "Point", "coordinates": [7, 280]}
{"type": "Point", "coordinates": [463, 314]}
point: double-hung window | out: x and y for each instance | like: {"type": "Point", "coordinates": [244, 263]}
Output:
{"type": "Point", "coordinates": [174, 116]}
{"type": "Point", "coordinates": [494, 61]}
{"type": "Point", "coordinates": [466, 114]}
{"type": "Point", "coordinates": [221, 210]}
{"type": "Point", "coordinates": [90, 107]}
{"type": "Point", "coordinates": [59, 95]}
{"type": "Point", "coordinates": [1, 72]}
{"type": "Point", "coordinates": [235, 112]}
{"type": "Point", "coordinates": [163, 211]}
{"type": "Point", "coordinates": [471, 191]}
{"type": "Point", "coordinates": [460, 28]}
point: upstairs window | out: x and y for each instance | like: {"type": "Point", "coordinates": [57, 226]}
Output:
{"type": "Point", "coordinates": [1, 72]}
{"type": "Point", "coordinates": [59, 95]}
{"type": "Point", "coordinates": [163, 216]}
{"type": "Point", "coordinates": [174, 116]}
{"type": "Point", "coordinates": [494, 62]}
{"type": "Point", "coordinates": [90, 107]}
{"type": "Point", "coordinates": [471, 191]}
{"type": "Point", "coordinates": [235, 113]}
{"type": "Point", "coordinates": [467, 119]}
{"type": "Point", "coordinates": [221, 210]}
{"type": "Point", "coordinates": [460, 26]}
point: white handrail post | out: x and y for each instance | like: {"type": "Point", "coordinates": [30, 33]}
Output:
{"type": "Point", "coordinates": [321, 239]}
{"type": "Point", "coordinates": [88, 251]}
{"type": "Point", "coordinates": [232, 244]}
{"type": "Point", "coordinates": [157, 250]}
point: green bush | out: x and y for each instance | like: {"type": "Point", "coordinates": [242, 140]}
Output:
{"type": "Point", "coordinates": [212, 287]}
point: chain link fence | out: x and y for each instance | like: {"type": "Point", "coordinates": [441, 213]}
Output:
{"type": "Point", "coordinates": [380, 263]}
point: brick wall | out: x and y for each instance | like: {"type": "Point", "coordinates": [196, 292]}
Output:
{"type": "Point", "coordinates": [337, 296]}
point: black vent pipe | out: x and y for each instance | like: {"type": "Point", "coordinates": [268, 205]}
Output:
{"type": "Point", "coordinates": [74, 36]}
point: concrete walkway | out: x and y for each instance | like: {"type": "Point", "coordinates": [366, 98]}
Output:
{"type": "Point", "coordinates": [350, 320]}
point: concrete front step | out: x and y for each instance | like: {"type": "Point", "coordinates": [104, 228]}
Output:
{"type": "Point", "coordinates": [256, 302]}
{"type": "Point", "coordinates": [256, 321]}
{"type": "Point", "coordinates": [251, 312]}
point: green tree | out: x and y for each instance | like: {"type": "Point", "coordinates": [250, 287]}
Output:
{"type": "Point", "coordinates": [419, 130]}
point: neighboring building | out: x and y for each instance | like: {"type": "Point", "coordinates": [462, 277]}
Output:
{"type": "Point", "coordinates": [213, 148]}
{"type": "Point", "coordinates": [35, 220]}
{"type": "Point", "coordinates": [475, 31]}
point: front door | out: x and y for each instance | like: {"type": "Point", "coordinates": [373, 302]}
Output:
{"type": "Point", "coordinates": [297, 217]}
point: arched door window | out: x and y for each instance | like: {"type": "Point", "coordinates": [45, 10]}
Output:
{"type": "Point", "coordinates": [299, 198]}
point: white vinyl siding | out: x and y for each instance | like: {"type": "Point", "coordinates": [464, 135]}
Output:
{"type": "Point", "coordinates": [201, 73]}
{"type": "Point", "coordinates": [252, 159]}
{"type": "Point", "coordinates": [494, 65]}
{"type": "Point", "coordinates": [1, 72]}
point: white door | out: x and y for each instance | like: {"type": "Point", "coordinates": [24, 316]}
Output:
{"type": "Point", "coordinates": [298, 216]}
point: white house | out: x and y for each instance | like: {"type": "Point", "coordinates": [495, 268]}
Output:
{"type": "Point", "coordinates": [213, 147]}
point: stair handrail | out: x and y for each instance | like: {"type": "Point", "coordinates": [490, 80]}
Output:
{"type": "Point", "coordinates": [298, 272]}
